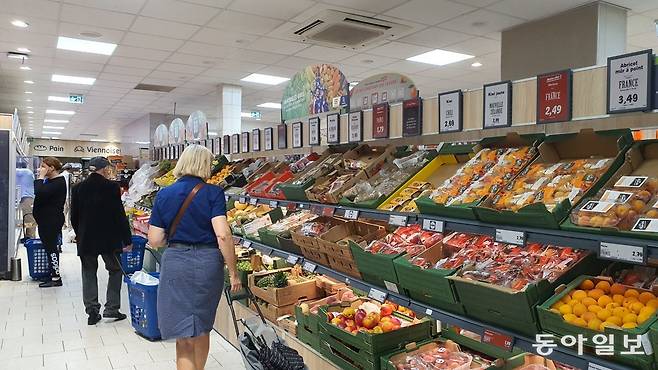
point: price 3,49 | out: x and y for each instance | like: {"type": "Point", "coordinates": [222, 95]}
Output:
{"type": "Point", "coordinates": [628, 99]}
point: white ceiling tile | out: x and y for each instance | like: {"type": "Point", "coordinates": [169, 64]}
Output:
{"type": "Point", "coordinates": [74, 30]}
{"type": "Point", "coordinates": [131, 71]}
{"type": "Point", "coordinates": [435, 37]}
{"type": "Point", "coordinates": [37, 25]}
{"type": "Point", "coordinates": [28, 39]}
{"type": "Point", "coordinates": [276, 46]}
{"type": "Point", "coordinates": [31, 8]}
{"type": "Point", "coordinates": [531, 9]}
{"type": "Point", "coordinates": [637, 6]}
{"type": "Point", "coordinates": [352, 70]}
{"type": "Point", "coordinates": [476, 46]}
{"type": "Point", "coordinates": [197, 48]}
{"type": "Point", "coordinates": [96, 17]}
{"type": "Point", "coordinates": [152, 42]}
{"type": "Point", "coordinates": [78, 65]}
{"type": "Point", "coordinates": [429, 11]}
{"type": "Point", "coordinates": [481, 22]}
{"type": "Point", "coordinates": [297, 62]}
{"type": "Point", "coordinates": [182, 68]}
{"type": "Point", "coordinates": [119, 77]}
{"type": "Point", "coordinates": [398, 50]}
{"type": "Point", "coordinates": [276, 9]}
{"type": "Point", "coordinates": [142, 53]}
{"type": "Point", "coordinates": [406, 67]}
{"type": "Point", "coordinates": [124, 6]}
{"type": "Point", "coordinates": [368, 60]}
{"type": "Point", "coordinates": [100, 84]}
{"type": "Point", "coordinates": [242, 22]}
{"type": "Point", "coordinates": [375, 6]}
{"type": "Point", "coordinates": [163, 28]}
{"type": "Point", "coordinates": [179, 11]}
{"type": "Point", "coordinates": [223, 37]}
{"type": "Point", "coordinates": [325, 53]}
{"type": "Point", "coordinates": [133, 62]}
{"type": "Point", "coordinates": [196, 60]}
{"type": "Point", "coordinates": [279, 71]}
{"type": "Point", "coordinates": [77, 56]}
{"type": "Point", "coordinates": [637, 24]}
{"type": "Point", "coordinates": [167, 75]}
{"type": "Point", "coordinates": [239, 65]}
{"type": "Point", "coordinates": [213, 3]}
{"type": "Point", "coordinates": [256, 56]}
{"type": "Point", "coordinates": [443, 72]}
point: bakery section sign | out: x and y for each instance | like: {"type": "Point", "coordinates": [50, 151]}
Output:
{"type": "Point", "coordinates": [72, 149]}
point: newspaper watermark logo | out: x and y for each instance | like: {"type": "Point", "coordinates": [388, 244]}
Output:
{"type": "Point", "coordinates": [603, 344]}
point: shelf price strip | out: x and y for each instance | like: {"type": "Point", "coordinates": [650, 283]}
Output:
{"type": "Point", "coordinates": [377, 295]}
{"type": "Point", "coordinates": [510, 237]}
{"type": "Point", "coordinates": [497, 339]}
{"type": "Point", "coordinates": [292, 259]}
{"type": "Point", "coordinates": [308, 266]}
{"type": "Point", "coordinates": [253, 201]}
{"type": "Point", "coordinates": [433, 225]}
{"type": "Point", "coordinates": [621, 252]}
{"type": "Point", "coordinates": [351, 214]}
{"type": "Point", "coordinates": [397, 220]}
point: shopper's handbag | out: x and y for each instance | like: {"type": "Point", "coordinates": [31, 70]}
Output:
{"type": "Point", "coordinates": [186, 203]}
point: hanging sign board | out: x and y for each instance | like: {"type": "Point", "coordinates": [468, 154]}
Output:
{"type": "Point", "coordinates": [161, 136]}
{"type": "Point", "coordinates": [255, 140]}
{"type": "Point", "coordinates": [282, 132]}
{"type": "Point", "coordinates": [382, 88]}
{"type": "Point", "coordinates": [355, 127]}
{"type": "Point", "coordinates": [235, 143]}
{"type": "Point", "coordinates": [245, 142]}
{"type": "Point", "coordinates": [216, 146]}
{"type": "Point", "coordinates": [268, 136]}
{"type": "Point", "coordinates": [554, 97]}
{"type": "Point", "coordinates": [297, 135]}
{"type": "Point", "coordinates": [451, 107]}
{"type": "Point", "coordinates": [227, 144]}
{"type": "Point", "coordinates": [316, 89]}
{"type": "Point", "coordinates": [314, 131]}
{"type": "Point", "coordinates": [629, 82]}
{"type": "Point", "coordinates": [197, 126]}
{"type": "Point", "coordinates": [412, 117]}
{"type": "Point", "coordinates": [333, 128]}
{"type": "Point", "coordinates": [177, 131]}
{"type": "Point", "coordinates": [497, 100]}
{"type": "Point", "coordinates": [380, 121]}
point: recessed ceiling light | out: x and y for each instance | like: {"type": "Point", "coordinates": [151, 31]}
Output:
{"type": "Point", "coordinates": [28, 92]}
{"type": "Point", "coordinates": [56, 121]}
{"type": "Point", "coordinates": [61, 99]}
{"type": "Point", "coordinates": [440, 57]}
{"type": "Point", "coordinates": [28, 107]}
{"type": "Point", "coordinates": [264, 79]}
{"type": "Point", "coordinates": [54, 127]}
{"type": "Point", "coordinates": [24, 50]}
{"type": "Point", "coordinates": [142, 142]}
{"type": "Point", "coordinates": [98, 140]}
{"type": "Point", "coordinates": [29, 112]}
{"type": "Point", "coordinates": [28, 99]}
{"type": "Point", "coordinates": [26, 68]}
{"type": "Point", "coordinates": [29, 82]}
{"type": "Point", "coordinates": [51, 132]}
{"type": "Point", "coordinates": [57, 111]}
{"type": "Point", "coordinates": [270, 105]}
{"type": "Point", "coordinates": [476, 64]}
{"type": "Point", "coordinates": [245, 114]}
{"type": "Point", "coordinates": [19, 23]}
{"type": "Point", "coordinates": [73, 79]}
{"type": "Point", "coordinates": [212, 133]}
{"type": "Point", "coordinates": [85, 46]}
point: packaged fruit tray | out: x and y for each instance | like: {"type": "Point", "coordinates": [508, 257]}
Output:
{"type": "Point", "coordinates": [270, 234]}
{"type": "Point", "coordinates": [308, 233]}
{"type": "Point", "coordinates": [496, 162]}
{"type": "Point", "coordinates": [627, 205]}
{"type": "Point", "coordinates": [335, 241]}
{"type": "Point", "coordinates": [450, 157]}
{"type": "Point", "coordinates": [592, 305]}
{"type": "Point", "coordinates": [435, 354]}
{"type": "Point", "coordinates": [569, 167]}
{"type": "Point", "coordinates": [473, 341]}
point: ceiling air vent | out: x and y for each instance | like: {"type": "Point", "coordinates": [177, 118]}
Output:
{"type": "Point", "coordinates": [338, 29]}
{"type": "Point", "coordinates": [160, 88]}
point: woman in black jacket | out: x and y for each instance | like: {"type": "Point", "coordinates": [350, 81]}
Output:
{"type": "Point", "coordinates": [49, 199]}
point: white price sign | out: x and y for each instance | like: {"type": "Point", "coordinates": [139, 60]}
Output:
{"type": "Point", "coordinates": [268, 138]}
{"type": "Point", "coordinates": [629, 82]}
{"type": "Point", "coordinates": [497, 105]}
{"type": "Point", "coordinates": [391, 286]}
{"type": "Point", "coordinates": [397, 220]}
{"type": "Point", "coordinates": [450, 111]}
{"type": "Point", "coordinates": [274, 204]}
{"type": "Point", "coordinates": [246, 243]}
{"type": "Point", "coordinates": [253, 201]}
{"type": "Point", "coordinates": [510, 237]}
{"type": "Point", "coordinates": [593, 366]}
{"type": "Point", "coordinates": [292, 259]}
{"type": "Point", "coordinates": [308, 266]}
{"type": "Point", "coordinates": [297, 135]}
{"type": "Point", "coordinates": [351, 214]}
{"type": "Point", "coordinates": [314, 131]}
{"type": "Point", "coordinates": [433, 225]}
{"type": "Point", "coordinates": [622, 252]}
{"type": "Point", "coordinates": [333, 128]}
{"type": "Point", "coordinates": [355, 127]}
{"type": "Point", "coordinates": [242, 200]}
{"type": "Point", "coordinates": [377, 295]}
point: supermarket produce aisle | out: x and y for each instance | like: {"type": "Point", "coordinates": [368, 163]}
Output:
{"type": "Point", "coordinates": [47, 329]}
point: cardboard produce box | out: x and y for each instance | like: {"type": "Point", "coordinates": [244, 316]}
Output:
{"type": "Point", "coordinates": [283, 296]}
{"type": "Point", "coordinates": [272, 312]}
{"type": "Point", "coordinates": [640, 160]}
{"type": "Point", "coordinates": [368, 159]}
{"type": "Point", "coordinates": [601, 152]}
{"type": "Point", "coordinates": [330, 188]}
{"type": "Point", "coordinates": [495, 162]}
{"type": "Point", "coordinates": [310, 241]}
{"type": "Point", "coordinates": [473, 341]}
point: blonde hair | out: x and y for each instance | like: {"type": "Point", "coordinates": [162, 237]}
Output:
{"type": "Point", "coordinates": [196, 160]}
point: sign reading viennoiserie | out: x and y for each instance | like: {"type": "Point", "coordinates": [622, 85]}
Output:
{"type": "Point", "coordinates": [554, 97]}
{"type": "Point", "coordinates": [71, 148]}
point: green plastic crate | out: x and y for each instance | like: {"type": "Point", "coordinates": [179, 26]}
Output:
{"type": "Point", "coordinates": [450, 332]}
{"type": "Point", "coordinates": [375, 268]}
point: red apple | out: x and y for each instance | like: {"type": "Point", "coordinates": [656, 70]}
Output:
{"type": "Point", "coordinates": [359, 316]}
{"type": "Point", "coordinates": [386, 310]}
{"type": "Point", "coordinates": [396, 321]}
{"type": "Point", "coordinates": [371, 320]}
{"type": "Point", "coordinates": [387, 326]}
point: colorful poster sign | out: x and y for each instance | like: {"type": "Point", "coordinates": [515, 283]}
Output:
{"type": "Point", "coordinates": [227, 144]}
{"type": "Point", "coordinates": [333, 128]}
{"type": "Point", "coordinates": [355, 127]}
{"type": "Point", "coordinates": [497, 105]}
{"type": "Point", "coordinates": [255, 140]}
{"type": "Point", "coordinates": [177, 131]}
{"type": "Point", "coordinates": [235, 143]}
{"type": "Point", "coordinates": [282, 136]}
{"type": "Point", "coordinates": [297, 135]}
{"type": "Point", "coordinates": [382, 88]}
{"type": "Point", "coordinates": [316, 89]}
{"type": "Point", "coordinates": [554, 97]}
{"type": "Point", "coordinates": [245, 142]}
{"type": "Point", "coordinates": [268, 137]}
{"type": "Point", "coordinates": [161, 136]}
{"type": "Point", "coordinates": [314, 131]}
{"type": "Point", "coordinates": [412, 117]}
{"type": "Point", "coordinates": [451, 107]}
{"type": "Point", "coordinates": [629, 82]}
{"type": "Point", "coordinates": [197, 126]}
{"type": "Point", "coordinates": [380, 121]}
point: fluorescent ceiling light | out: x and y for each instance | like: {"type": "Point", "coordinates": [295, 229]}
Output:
{"type": "Point", "coordinates": [51, 132]}
{"type": "Point", "coordinates": [440, 57]}
{"type": "Point", "coordinates": [29, 112]}
{"type": "Point", "coordinates": [264, 79]}
{"type": "Point", "coordinates": [212, 133]}
{"type": "Point", "coordinates": [19, 23]}
{"type": "Point", "coordinates": [245, 114]}
{"type": "Point", "coordinates": [85, 46]}
{"type": "Point", "coordinates": [57, 111]}
{"type": "Point", "coordinates": [29, 82]}
{"type": "Point", "coordinates": [28, 92]}
{"type": "Point", "coordinates": [73, 79]}
{"type": "Point", "coordinates": [142, 142]}
{"type": "Point", "coordinates": [98, 140]}
{"type": "Point", "coordinates": [61, 99]}
{"type": "Point", "coordinates": [54, 127]}
{"type": "Point", "coordinates": [24, 50]}
{"type": "Point", "coordinates": [28, 107]}
{"type": "Point", "coordinates": [26, 68]}
{"type": "Point", "coordinates": [56, 120]}
{"type": "Point", "coordinates": [270, 105]}
{"type": "Point", "coordinates": [476, 64]}
{"type": "Point", "coordinates": [28, 99]}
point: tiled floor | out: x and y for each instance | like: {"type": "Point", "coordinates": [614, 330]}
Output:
{"type": "Point", "coordinates": [47, 329]}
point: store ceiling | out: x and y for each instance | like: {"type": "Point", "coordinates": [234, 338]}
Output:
{"type": "Point", "coordinates": [194, 45]}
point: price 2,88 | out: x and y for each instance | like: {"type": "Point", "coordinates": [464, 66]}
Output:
{"type": "Point", "coordinates": [553, 111]}
{"type": "Point", "coordinates": [628, 99]}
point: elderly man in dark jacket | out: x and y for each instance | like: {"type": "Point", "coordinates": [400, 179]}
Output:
{"type": "Point", "coordinates": [101, 228]}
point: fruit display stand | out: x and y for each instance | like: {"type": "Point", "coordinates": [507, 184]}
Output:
{"type": "Point", "coordinates": [249, 226]}
{"type": "Point", "coordinates": [288, 295]}
{"type": "Point", "coordinates": [555, 149]}
{"type": "Point", "coordinates": [495, 162]}
{"type": "Point", "coordinates": [637, 316]}
{"type": "Point", "coordinates": [335, 244]}
{"type": "Point", "coordinates": [272, 234]}
{"type": "Point", "coordinates": [367, 158]}
{"type": "Point", "coordinates": [308, 244]}
{"type": "Point", "coordinates": [474, 341]}
{"type": "Point", "coordinates": [640, 160]}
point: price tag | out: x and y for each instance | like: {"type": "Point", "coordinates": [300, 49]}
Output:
{"type": "Point", "coordinates": [377, 295]}
{"type": "Point", "coordinates": [274, 203]}
{"type": "Point", "coordinates": [246, 243]}
{"type": "Point", "coordinates": [647, 225]}
{"type": "Point", "coordinates": [347, 281]}
{"type": "Point", "coordinates": [316, 209]}
{"type": "Point", "coordinates": [510, 237]}
{"type": "Point", "coordinates": [450, 111]}
{"type": "Point", "coordinates": [391, 286]}
{"type": "Point", "coordinates": [397, 220]}
{"type": "Point", "coordinates": [621, 252]}
{"type": "Point", "coordinates": [497, 339]}
{"type": "Point", "coordinates": [328, 211]}
{"type": "Point", "coordinates": [292, 259]}
{"type": "Point", "coordinates": [253, 201]}
{"type": "Point", "coordinates": [646, 343]}
{"type": "Point", "coordinates": [351, 214]}
{"type": "Point", "coordinates": [242, 200]}
{"type": "Point", "coordinates": [308, 266]}
{"type": "Point", "coordinates": [593, 366]}
{"type": "Point", "coordinates": [226, 198]}
{"type": "Point", "coordinates": [428, 312]}
{"type": "Point", "coordinates": [433, 225]}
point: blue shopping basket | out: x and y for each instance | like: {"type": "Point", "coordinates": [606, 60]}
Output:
{"type": "Point", "coordinates": [134, 260]}
{"type": "Point", "coordinates": [37, 259]}
{"type": "Point", "coordinates": [144, 308]}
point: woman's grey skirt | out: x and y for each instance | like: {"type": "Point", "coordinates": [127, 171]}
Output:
{"type": "Point", "coordinates": [191, 284]}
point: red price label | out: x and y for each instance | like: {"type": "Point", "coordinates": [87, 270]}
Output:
{"type": "Point", "coordinates": [554, 97]}
{"type": "Point", "coordinates": [328, 211]}
{"type": "Point", "coordinates": [291, 207]}
{"type": "Point", "coordinates": [380, 120]}
{"type": "Point", "coordinates": [497, 339]}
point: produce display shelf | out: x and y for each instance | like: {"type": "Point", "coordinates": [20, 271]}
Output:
{"type": "Point", "coordinates": [560, 353]}
{"type": "Point", "coordinates": [503, 233]}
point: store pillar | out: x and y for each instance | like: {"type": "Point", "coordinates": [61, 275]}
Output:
{"type": "Point", "coordinates": [229, 107]}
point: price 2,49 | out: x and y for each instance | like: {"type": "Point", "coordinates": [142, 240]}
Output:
{"type": "Point", "coordinates": [450, 123]}
{"type": "Point", "coordinates": [553, 111]}
{"type": "Point", "coordinates": [628, 99]}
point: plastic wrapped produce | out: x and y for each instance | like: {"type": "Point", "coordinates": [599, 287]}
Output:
{"type": "Point", "coordinates": [407, 239]}
{"type": "Point", "coordinates": [436, 356]}
{"type": "Point", "coordinates": [141, 184]}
